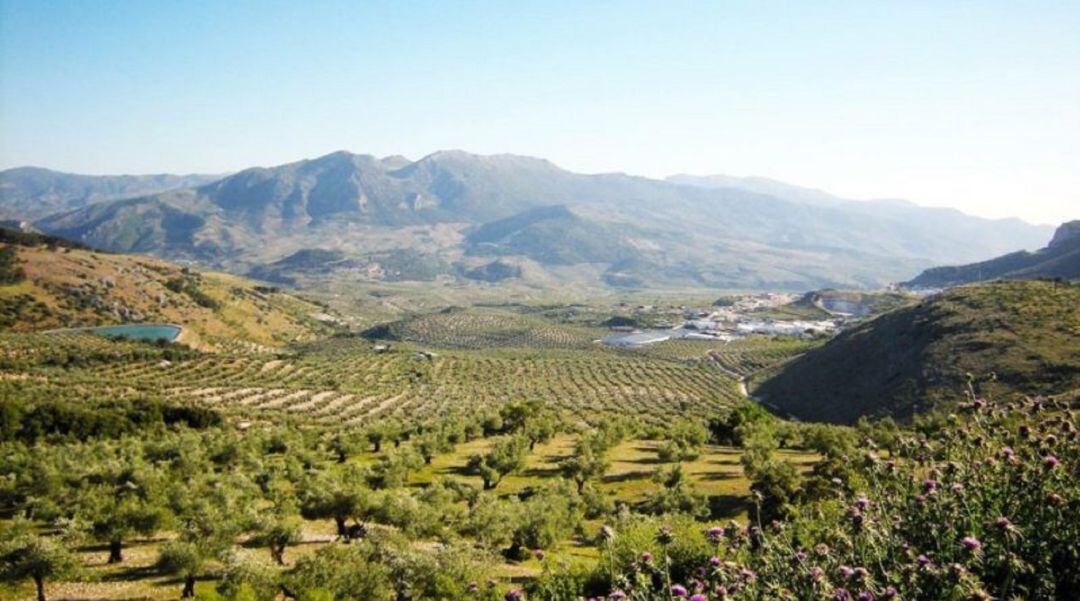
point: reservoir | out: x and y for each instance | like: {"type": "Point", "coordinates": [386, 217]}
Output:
{"type": "Point", "coordinates": [136, 331]}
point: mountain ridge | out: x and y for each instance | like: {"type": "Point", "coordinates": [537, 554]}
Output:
{"type": "Point", "coordinates": [364, 204]}
{"type": "Point", "coordinates": [1060, 258]}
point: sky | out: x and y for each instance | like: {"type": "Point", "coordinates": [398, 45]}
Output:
{"type": "Point", "coordinates": [973, 105]}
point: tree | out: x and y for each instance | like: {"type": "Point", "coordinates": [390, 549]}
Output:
{"type": "Point", "coordinates": [278, 532]}
{"type": "Point", "coordinates": [123, 506]}
{"type": "Point", "coordinates": [185, 558]}
{"type": "Point", "coordinates": [339, 499]}
{"type": "Point", "coordinates": [507, 456]}
{"type": "Point", "coordinates": [589, 460]}
{"type": "Point", "coordinates": [24, 554]}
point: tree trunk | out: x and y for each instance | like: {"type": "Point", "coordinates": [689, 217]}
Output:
{"type": "Point", "coordinates": [277, 552]}
{"type": "Point", "coordinates": [39, 582]}
{"type": "Point", "coordinates": [189, 587]}
{"type": "Point", "coordinates": [341, 530]}
{"type": "Point", "coordinates": [116, 551]}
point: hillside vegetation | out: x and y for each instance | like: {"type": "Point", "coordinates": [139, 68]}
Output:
{"type": "Point", "coordinates": [48, 283]}
{"type": "Point", "coordinates": [1008, 337]}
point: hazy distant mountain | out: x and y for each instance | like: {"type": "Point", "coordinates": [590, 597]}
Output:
{"type": "Point", "coordinates": [1060, 259]}
{"type": "Point", "coordinates": [455, 211]}
{"type": "Point", "coordinates": [29, 193]}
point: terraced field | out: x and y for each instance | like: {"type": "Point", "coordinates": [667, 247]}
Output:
{"type": "Point", "coordinates": [360, 385]}
{"type": "Point", "coordinates": [479, 328]}
{"type": "Point", "coordinates": [354, 381]}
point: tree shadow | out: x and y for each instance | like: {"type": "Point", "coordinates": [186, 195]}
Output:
{"type": "Point", "coordinates": [727, 506]}
{"type": "Point", "coordinates": [719, 476]}
{"type": "Point", "coordinates": [623, 477]}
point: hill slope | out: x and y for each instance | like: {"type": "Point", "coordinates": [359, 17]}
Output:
{"type": "Point", "coordinates": [29, 193]}
{"type": "Point", "coordinates": [1024, 334]}
{"type": "Point", "coordinates": [1060, 259]}
{"type": "Point", "coordinates": [361, 204]}
{"type": "Point", "coordinates": [48, 283]}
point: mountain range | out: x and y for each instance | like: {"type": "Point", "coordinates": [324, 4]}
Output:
{"type": "Point", "coordinates": [506, 217]}
{"type": "Point", "coordinates": [1060, 259]}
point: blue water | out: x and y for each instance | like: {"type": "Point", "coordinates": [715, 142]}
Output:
{"type": "Point", "coordinates": [139, 331]}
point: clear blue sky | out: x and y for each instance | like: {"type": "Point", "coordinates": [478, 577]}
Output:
{"type": "Point", "coordinates": [968, 104]}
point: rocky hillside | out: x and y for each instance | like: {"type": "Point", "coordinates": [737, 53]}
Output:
{"type": "Point", "coordinates": [1060, 259]}
{"type": "Point", "coordinates": [1016, 336]}
{"type": "Point", "coordinates": [46, 283]}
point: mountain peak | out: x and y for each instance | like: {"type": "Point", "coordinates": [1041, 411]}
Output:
{"type": "Point", "coordinates": [1067, 233]}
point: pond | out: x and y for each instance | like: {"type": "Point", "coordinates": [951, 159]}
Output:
{"type": "Point", "coordinates": [137, 331]}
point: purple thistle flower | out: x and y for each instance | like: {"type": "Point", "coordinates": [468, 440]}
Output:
{"type": "Point", "coordinates": [646, 557]}
{"type": "Point", "coordinates": [845, 572]}
{"type": "Point", "coordinates": [1051, 462]}
{"type": "Point", "coordinates": [698, 597]}
{"type": "Point", "coordinates": [922, 559]}
{"type": "Point", "coordinates": [971, 543]}
{"type": "Point", "coordinates": [514, 595]}
{"type": "Point", "coordinates": [842, 594]}
{"type": "Point", "coordinates": [714, 561]}
{"type": "Point", "coordinates": [866, 596]}
{"type": "Point", "coordinates": [1003, 523]}
{"type": "Point", "coordinates": [817, 574]}
{"type": "Point", "coordinates": [862, 502]}
{"type": "Point", "coordinates": [715, 534]}
{"type": "Point", "coordinates": [678, 590]}
{"type": "Point", "coordinates": [539, 554]}
{"type": "Point", "coordinates": [616, 595]}
{"type": "Point", "coordinates": [890, 593]}
{"type": "Point", "coordinates": [929, 485]}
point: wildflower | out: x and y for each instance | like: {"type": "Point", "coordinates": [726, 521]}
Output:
{"type": "Point", "coordinates": [721, 592]}
{"type": "Point", "coordinates": [890, 593]}
{"type": "Point", "coordinates": [616, 595]}
{"type": "Point", "coordinates": [714, 561]}
{"type": "Point", "coordinates": [473, 587]}
{"type": "Point", "coordinates": [514, 595]}
{"type": "Point", "coordinates": [957, 487]}
{"type": "Point", "coordinates": [861, 574]}
{"type": "Point", "coordinates": [646, 557]}
{"type": "Point", "coordinates": [842, 594]}
{"type": "Point", "coordinates": [890, 465]}
{"type": "Point", "coordinates": [714, 534]}
{"type": "Point", "coordinates": [865, 596]}
{"type": "Point", "coordinates": [800, 555]}
{"type": "Point", "coordinates": [930, 486]}
{"type": "Point", "coordinates": [698, 597]}
{"type": "Point", "coordinates": [1003, 523]}
{"type": "Point", "coordinates": [862, 503]}
{"type": "Point", "coordinates": [971, 543]}
{"type": "Point", "coordinates": [817, 574]}
{"type": "Point", "coordinates": [678, 590]}
{"type": "Point", "coordinates": [1051, 462]}
{"type": "Point", "coordinates": [845, 572]}
{"type": "Point", "coordinates": [821, 549]}
{"type": "Point", "coordinates": [923, 560]}
{"type": "Point", "coordinates": [748, 575]}
{"type": "Point", "coordinates": [539, 554]}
